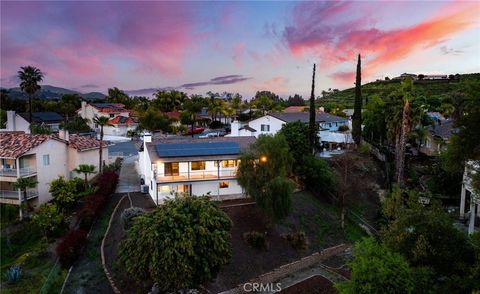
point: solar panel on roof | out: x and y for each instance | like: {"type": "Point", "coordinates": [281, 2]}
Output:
{"type": "Point", "coordinates": [197, 149]}
{"type": "Point", "coordinates": [47, 116]}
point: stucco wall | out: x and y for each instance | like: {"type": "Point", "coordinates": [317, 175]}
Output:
{"type": "Point", "coordinates": [57, 152]}
{"type": "Point", "coordinates": [85, 157]}
{"type": "Point", "coordinates": [275, 125]}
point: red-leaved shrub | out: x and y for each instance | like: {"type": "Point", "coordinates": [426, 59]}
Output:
{"type": "Point", "coordinates": [71, 246]}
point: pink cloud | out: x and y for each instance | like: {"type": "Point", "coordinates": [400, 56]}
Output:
{"type": "Point", "coordinates": [238, 53]}
{"type": "Point", "coordinates": [332, 32]}
{"type": "Point", "coordinates": [89, 41]}
{"type": "Point", "coordinates": [277, 84]}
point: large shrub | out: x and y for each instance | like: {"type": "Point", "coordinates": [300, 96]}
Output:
{"type": "Point", "coordinates": [70, 247]}
{"type": "Point", "coordinates": [182, 244]}
{"type": "Point", "coordinates": [317, 175]}
{"type": "Point", "coordinates": [49, 218]}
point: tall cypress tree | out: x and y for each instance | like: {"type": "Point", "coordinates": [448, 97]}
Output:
{"type": "Point", "coordinates": [312, 127]}
{"type": "Point", "coordinates": [357, 113]}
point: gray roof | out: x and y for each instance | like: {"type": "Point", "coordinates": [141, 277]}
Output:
{"type": "Point", "coordinates": [248, 128]}
{"type": "Point", "coordinates": [444, 130]}
{"type": "Point", "coordinates": [241, 142]}
{"type": "Point", "coordinates": [43, 117]}
{"type": "Point", "coordinates": [305, 117]}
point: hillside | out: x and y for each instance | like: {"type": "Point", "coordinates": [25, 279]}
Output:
{"type": "Point", "coordinates": [429, 89]}
{"type": "Point", "coordinates": [52, 92]}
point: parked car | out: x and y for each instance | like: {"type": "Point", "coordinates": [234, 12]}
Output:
{"type": "Point", "coordinates": [197, 130]}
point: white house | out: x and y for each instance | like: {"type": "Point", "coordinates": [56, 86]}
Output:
{"type": "Point", "coordinates": [21, 121]}
{"type": "Point", "coordinates": [44, 158]}
{"type": "Point", "coordinates": [471, 168]}
{"type": "Point", "coordinates": [111, 110]}
{"type": "Point", "coordinates": [271, 123]}
{"type": "Point", "coordinates": [193, 166]}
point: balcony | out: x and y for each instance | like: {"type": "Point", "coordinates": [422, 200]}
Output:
{"type": "Point", "coordinates": [11, 196]}
{"type": "Point", "coordinates": [198, 176]}
{"type": "Point", "coordinates": [12, 172]}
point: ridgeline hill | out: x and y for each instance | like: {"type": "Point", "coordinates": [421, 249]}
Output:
{"type": "Point", "coordinates": [433, 90]}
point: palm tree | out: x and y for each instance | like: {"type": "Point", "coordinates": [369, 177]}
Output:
{"type": "Point", "coordinates": [30, 76]}
{"type": "Point", "coordinates": [23, 184]}
{"type": "Point", "coordinates": [101, 121]}
{"type": "Point", "coordinates": [85, 169]}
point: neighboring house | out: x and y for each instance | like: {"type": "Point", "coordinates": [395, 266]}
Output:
{"type": "Point", "coordinates": [193, 166]}
{"type": "Point", "coordinates": [21, 121]}
{"type": "Point", "coordinates": [44, 158]}
{"type": "Point", "coordinates": [111, 110]}
{"type": "Point", "coordinates": [471, 168]}
{"type": "Point", "coordinates": [437, 117]}
{"type": "Point", "coordinates": [272, 123]}
{"type": "Point", "coordinates": [436, 139]}
{"type": "Point", "coordinates": [120, 125]}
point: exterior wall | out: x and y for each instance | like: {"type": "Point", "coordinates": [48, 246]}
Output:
{"type": "Point", "coordinates": [201, 188]}
{"type": "Point", "coordinates": [85, 157]}
{"type": "Point", "coordinates": [16, 123]}
{"type": "Point", "coordinates": [274, 123]}
{"type": "Point", "coordinates": [430, 146]}
{"type": "Point", "coordinates": [57, 152]}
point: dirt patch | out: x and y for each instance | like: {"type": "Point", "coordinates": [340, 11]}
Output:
{"type": "Point", "coordinates": [122, 280]}
{"type": "Point", "coordinates": [313, 285]}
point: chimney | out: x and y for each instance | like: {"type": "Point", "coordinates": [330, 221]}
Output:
{"type": "Point", "coordinates": [321, 109]}
{"type": "Point", "coordinates": [63, 134]}
{"type": "Point", "coordinates": [235, 128]}
{"type": "Point", "coordinates": [83, 114]}
{"type": "Point", "coordinates": [11, 121]}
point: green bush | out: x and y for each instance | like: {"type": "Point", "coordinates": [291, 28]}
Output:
{"type": "Point", "coordinates": [317, 175]}
{"type": "Point", "coordinates": [364, 149]}
{"type": "Point", "coordinates": [256, 240]}
{"type": "Point", "coordinates": [49, 218]}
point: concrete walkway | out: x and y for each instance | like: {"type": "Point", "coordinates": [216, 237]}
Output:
{"type": "Point", "coordinates": [129, 180]}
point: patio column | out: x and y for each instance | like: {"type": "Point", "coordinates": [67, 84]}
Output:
{"type": "Point", "coordinates": [20, 211]}
{"type": "Point", "coordinates": [188, 169]}
{"type": "Point", "coordinates": [462, 202]}
{"type": "Point", "coordinates": [218, 169]}
{"type": "Point", "coordinates": [471, 223]}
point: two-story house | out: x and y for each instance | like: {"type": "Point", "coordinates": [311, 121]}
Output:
{"type": "Point", "coordinates": [272, 123]}
{"type": "Point", "coordinates": [44, 158]}
{"type": "Point", "coordinates": [193, 166]}
{"type": "Point", "coordinates": [21, 121]}
{"type": "Point", "coordinates": [120, 126]}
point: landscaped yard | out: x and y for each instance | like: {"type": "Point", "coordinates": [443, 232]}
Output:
{"type": "Point", "coordinates": [24, 245]}
{"type": "Point", "coordinates": [318, 219]}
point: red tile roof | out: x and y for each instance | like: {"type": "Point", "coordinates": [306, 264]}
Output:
{"type": "Point", "coordinates": [122, 120]}
{"type": "Point", "coordinates": [173, 115]}
{"type": "Point", "coordinates": [83, 143]}
{"type": "Point", "coordinates": [15, 144]}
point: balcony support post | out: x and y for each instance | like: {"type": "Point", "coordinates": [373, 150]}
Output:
{"type": "Point", "coordinates": [20, 211]}
{"type": "Point", "coordinates": [188, 170]}
{"type": "Point", "coordinates": [218, 169]}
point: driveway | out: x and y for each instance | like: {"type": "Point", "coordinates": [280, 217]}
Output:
{"type": "Point", "coordinates": [129, 180]}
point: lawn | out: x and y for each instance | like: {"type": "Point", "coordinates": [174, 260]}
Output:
{"type": "Point", "coordinates": [318, 219]}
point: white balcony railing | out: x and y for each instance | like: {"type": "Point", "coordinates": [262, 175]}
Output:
{"type": "Point", "coordinates": [12, 172]}
{"type": "Point", "coordinates": [13, 194]}
{"type": "Point", "coordinates": [198, 175]}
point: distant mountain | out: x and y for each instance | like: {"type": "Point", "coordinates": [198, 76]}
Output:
{"type": "Point", "coordinates": [52, 92]}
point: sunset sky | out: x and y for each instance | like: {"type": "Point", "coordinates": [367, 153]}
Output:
{"type": "Point", "coordinates": [234, 46]}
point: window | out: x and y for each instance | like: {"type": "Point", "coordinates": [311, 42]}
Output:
{"type": "Point", "coordinates": [198, 165]}
{"type": "Point", "coordinates": [112, 115]}
{"type": "Point", "coordinates": [229, 163]}
{"type": "Point", "coordinates": [265, 128]}
{"type": "Point", "coordinates": [182, 189]}
{"type": "Point", "coordinates": [223, 185]}
{"type": "Point", "coordinates": [171, 168]}
{"type": "Point", "coordinates": [46, 160]}
{"type": "Point", "coordinates": [164, 189]}
{"type": "Point", "coordinates": [428, 143]}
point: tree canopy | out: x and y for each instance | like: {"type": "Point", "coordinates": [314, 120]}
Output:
{"type": "Point", "coordinates": [182, 244]}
